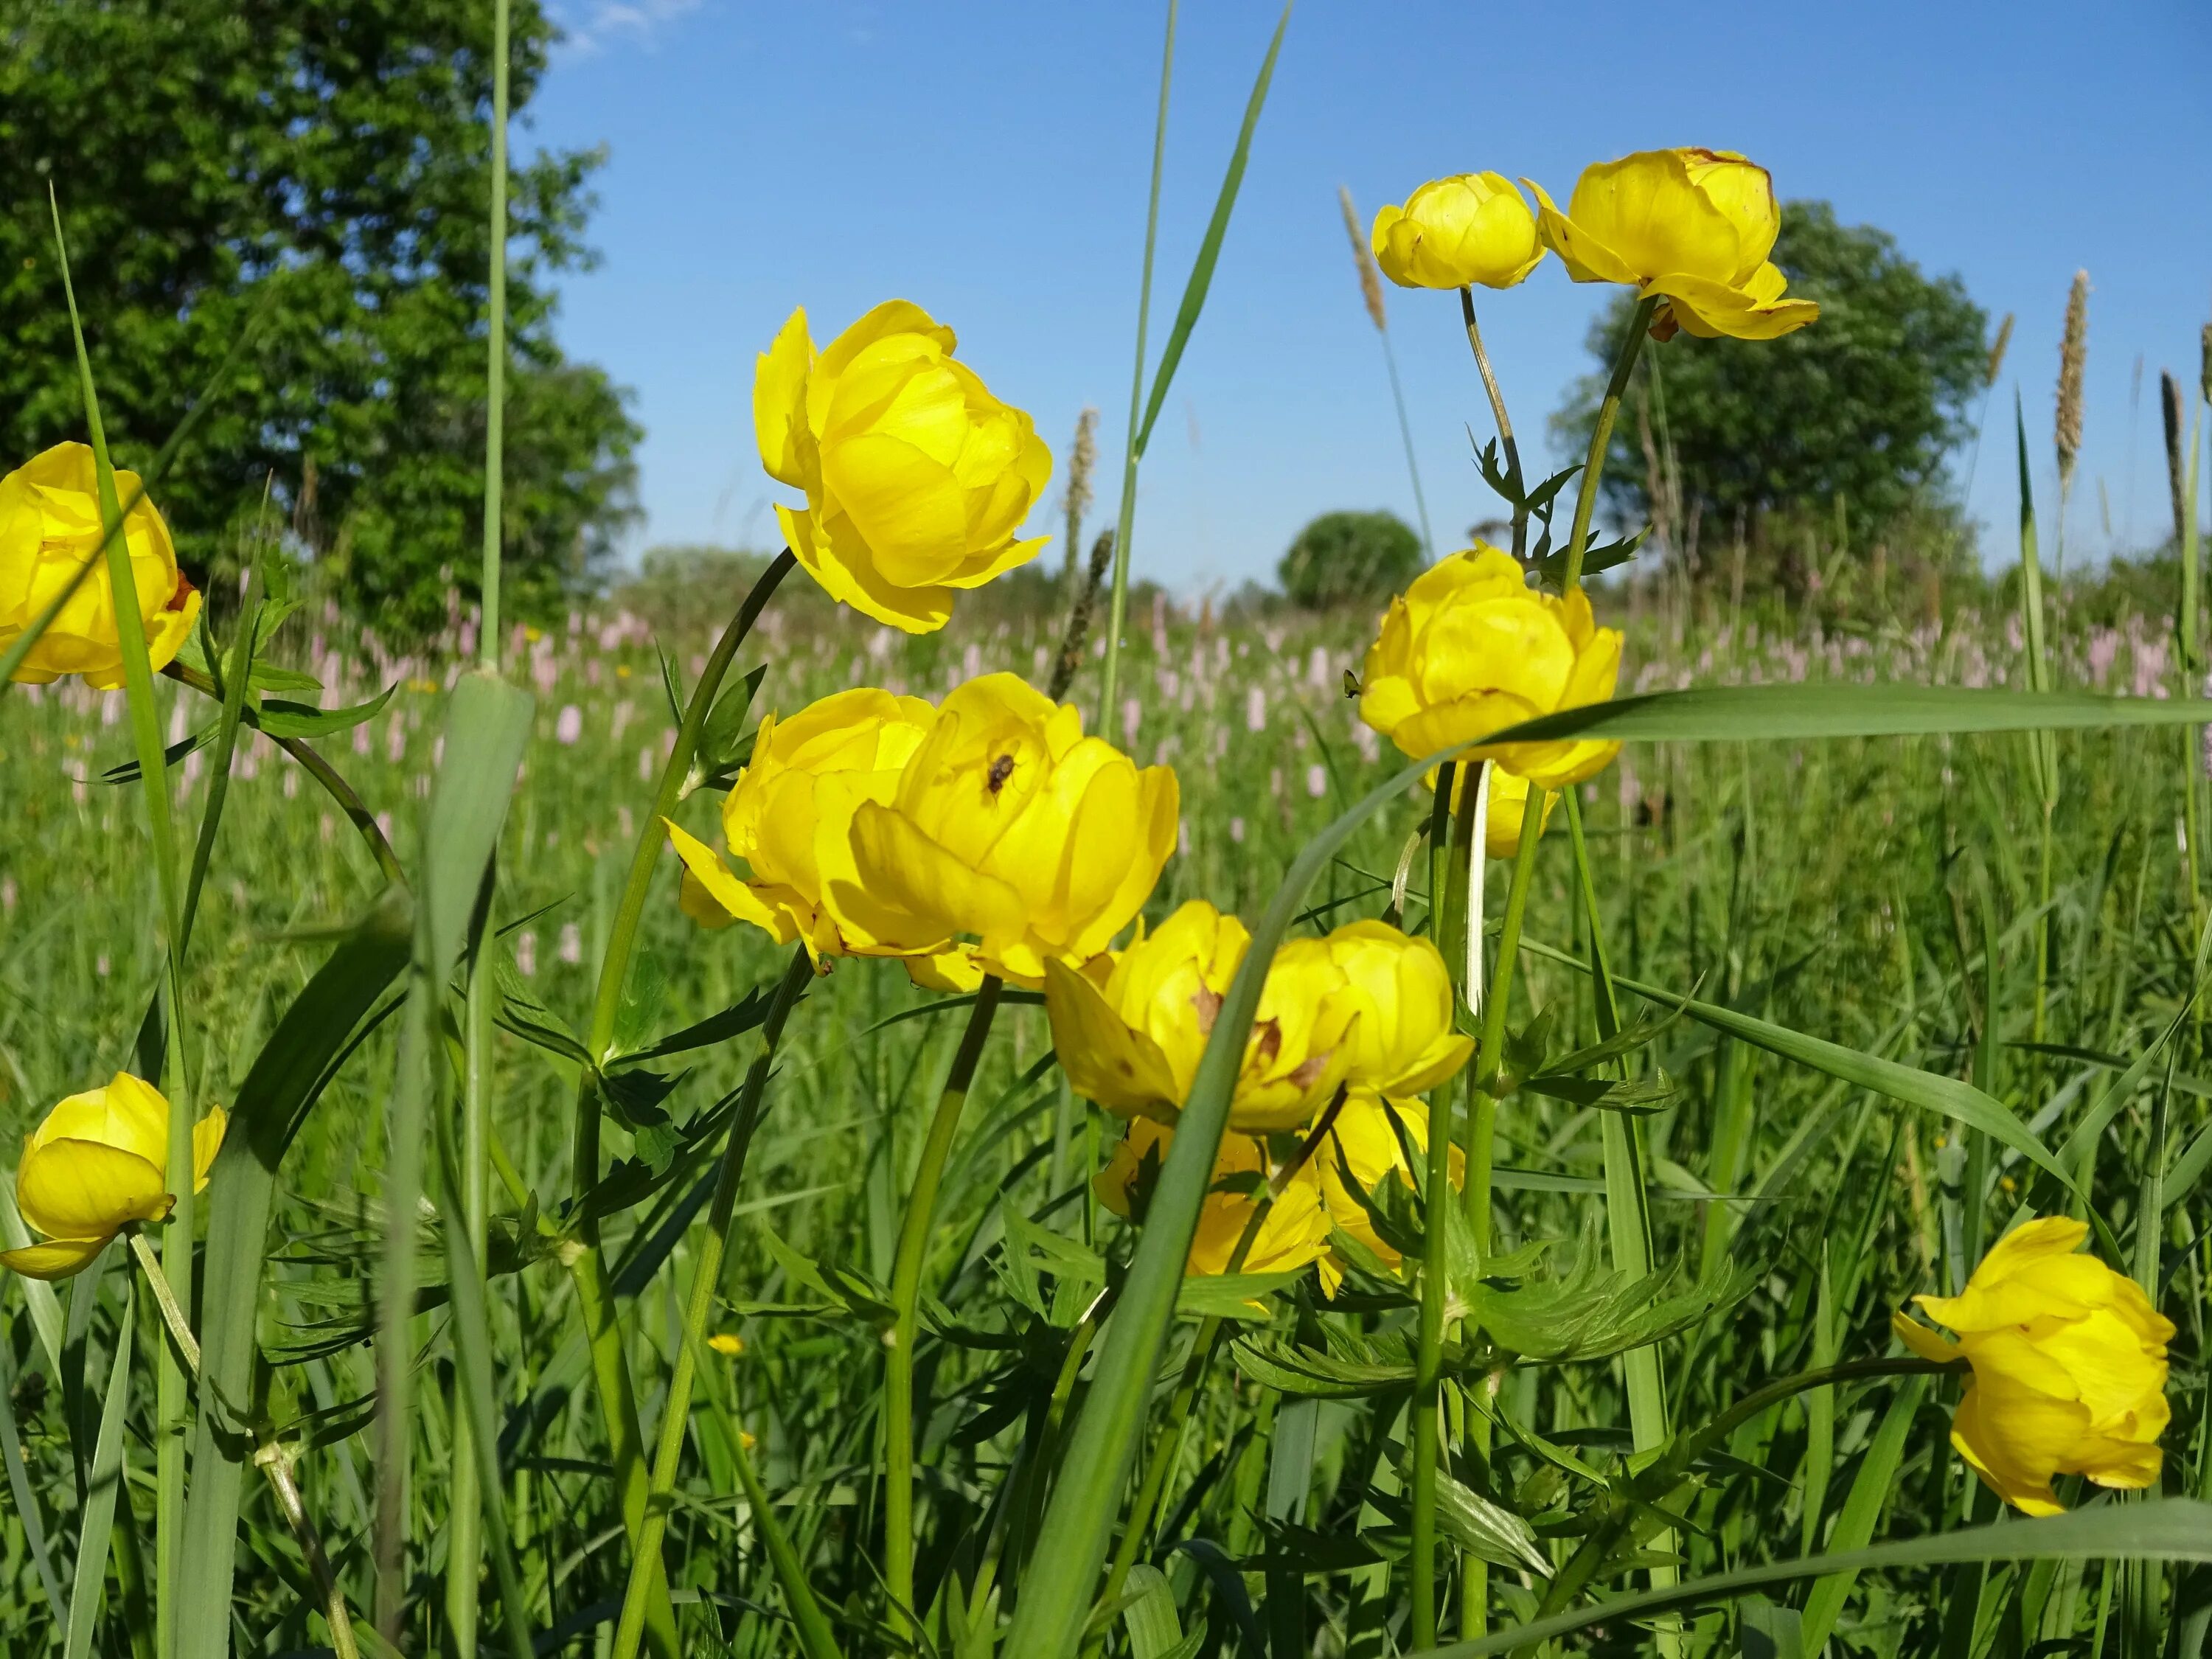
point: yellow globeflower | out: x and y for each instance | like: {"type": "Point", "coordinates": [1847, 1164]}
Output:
{"type": "Point", "coordinates": [1363, 1142]}
{"type": "Point", "coordinates": [94, 1166]}
{"type": "Point", "coordinates": [1404, 1042]}
{"type": "Point", "coordinates": [1453, 232]}
{"type": "Point", "coordinates": [1471, 648]}
{"type": "Point", "coordinates": [917, 478]}
{"type": "Point", "coordinates": [789, 816]}
{"type": "Point", "coordinates": [1011, 826]}
{"type": "Point", "coordinates": [1693, 226]}
{"type": "Point", "coordinates": [50, 526]}
{"type": "Point", "coordinates": [1292, 1234]}
{"type": "Point", "coordinates": [2070, 1367]}
{"type": "Point", "coordinates": [1132, 1043]}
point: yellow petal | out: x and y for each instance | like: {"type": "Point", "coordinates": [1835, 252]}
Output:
{"type": "Point", "coordinates": [84, 1190]}
{"type": "Point", "coordinates": [58, 1258]}
{"type": "Point", "coordinates": [1929, 1345]}
{"type": "Point", "coordinates": [780, 399]}
{"type": "Point", "coordinates": [714, 897]}
{"type": "Point", "coordinates": [207, 1141]}
{"type": "Point", "coordinates": [1106, 1062]}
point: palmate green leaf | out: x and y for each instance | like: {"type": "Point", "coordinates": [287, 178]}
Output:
{"type": "Point", "coordinates": [1487, 1529]}
{"type": "Point", "coordinates": [280, 719]}
{"type": "Point", "coordinates": [2168, 1530]}
{"type": "Point", "coordinates": [1751, 714]}
{"type": "Point", "coordinates": [286, 1079]}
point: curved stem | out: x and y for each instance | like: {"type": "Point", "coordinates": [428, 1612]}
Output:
{"type": "Point", "coordinates": [906, 1303]}
{"type": "Point", "coordinates": [312, 763]}
{"type": "Point", "coordinates": [1504, 420]}
{"type": "Point", "coordinates": [1624, 364]}
{"type": "Point", "coordinates": [646, 1569]}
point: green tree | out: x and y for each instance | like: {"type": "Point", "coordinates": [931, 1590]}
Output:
{"type": "Point", "coordinates": [1343, 558]}
{"type": "Point", "coordinates": [1858, 412]}
{"type": "Point", "coordinates": [321, 166]}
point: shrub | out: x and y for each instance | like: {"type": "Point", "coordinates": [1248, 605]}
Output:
{"type": "Point", "coordinates": [1342, 558]}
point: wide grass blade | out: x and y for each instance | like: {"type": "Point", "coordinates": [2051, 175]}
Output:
{"type": "Point", "coordinates": [287, 1077]}
{"type": "Point", "coordinates": [97, 1522]}
{"type": "Point", "coordinates": [2173, 1529]}
{"type": "Point", "coordinates": [1736, 713]}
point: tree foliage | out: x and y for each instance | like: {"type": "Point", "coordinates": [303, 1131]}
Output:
{"type": "Point", "coordinates": [1860, 410]}
{"type": "Point", "coordinates": [319, 168]}
{"type": "Point", "coordinates": [1343, 558]}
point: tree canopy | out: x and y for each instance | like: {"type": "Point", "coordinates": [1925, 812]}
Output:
{"type": "Point", "coordinates": [1342, 557]}
{"type": "Point", "coordinates": [1862, 409]}
{"type": "Point", "coordinates": [319, 168]}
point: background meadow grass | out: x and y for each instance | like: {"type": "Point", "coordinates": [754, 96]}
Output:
{"type": "Point", "coordinates": [1880, 894]}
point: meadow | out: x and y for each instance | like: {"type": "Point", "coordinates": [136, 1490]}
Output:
{"type": "Point", "coordinates": [1872, 893]}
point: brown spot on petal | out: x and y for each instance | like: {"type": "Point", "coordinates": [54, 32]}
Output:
{"type": "Point", "coordinates": [1267, 1041]}
{"type": "Point", "coordinates": [1309, 1072]}
{"type": "Point", "coordinates": [1207, 1002]}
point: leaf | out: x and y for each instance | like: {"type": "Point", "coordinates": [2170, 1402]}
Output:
{"type": "Point", "coordinates": [740, 1017]}
{"type": "Point", "coordinates": [635, 1095]}
{"type": "Point", "coordinates": [1495, 1534]}
{"type": "Point", "coordinates": [96, 1522]}
{"type": "Point", "coordinates": [1861, 1512]}
{"type": "Point", "coordinates": [280, 719]}
{"type": "Point", "coordinates": [2161, 1530]}
{"type": "Point", "coordinates": [1209, 249]}
{"type": "Point", "coordinates": [524, 1015]}
{"type": "Point", "coordinates": [1552, 568]}
{"type": "Point", "coordinates": [1756, 713]}
{"type": "Point", "coordinates": [128, 771]}
{"type": "Point", "coordinates": [718, 741]}
{"type": "Point", "coordinates": [1148, 1615]}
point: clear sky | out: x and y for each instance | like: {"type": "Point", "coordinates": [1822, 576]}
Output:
{"type": "Point", "coordinates": [988, 161]}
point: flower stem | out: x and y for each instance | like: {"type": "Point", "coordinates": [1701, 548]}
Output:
{"type": "Point", "coordinates": [1609, 410]}
{"type": "Point", "coordinates": [646, 1569]}
{"type": "Point", "coordinates": [1504, 420]}
{"type": "Point", "coordinates": [906, 1303]}
{"type": "Point", "coordinates": [1429, 1360]}
{"type": "Point", "coordinates": [1117, 607]}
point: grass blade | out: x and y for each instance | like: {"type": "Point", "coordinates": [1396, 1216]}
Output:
{"type": "Point", "coordinates": [98, 1521]}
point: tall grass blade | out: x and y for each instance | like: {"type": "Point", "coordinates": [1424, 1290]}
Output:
{"type": "Point", "coordinates": [96, 1521]}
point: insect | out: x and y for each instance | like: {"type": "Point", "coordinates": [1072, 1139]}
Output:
{"type": "Point", "coordinates": [1001, 770]}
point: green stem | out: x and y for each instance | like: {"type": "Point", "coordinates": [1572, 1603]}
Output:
{"type": "Point", "coordinates": [1505, 424]}
{"type": "Point", "coordinates": [496, 352]}
{"type": "Point", "coordinates": [1118, 605]}
{"type": "Point", "coordinates": [1609, 410]}
{"type": "Point", "coordinates": [906, 1303]}
{"type": "Point", "coordinates": [646, 1569]}
{"type": "Point", "coordinates": [1447, 876]}
{"type": "Point", "coordinates": [595, 1302]}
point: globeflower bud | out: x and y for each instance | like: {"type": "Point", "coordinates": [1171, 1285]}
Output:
{"type": "Point", "coordinates": [1475, 228]}
{"type": "Point", "coordinates": [789, 816]}
{"type": "Point", "coordinates": [1010, 826]}
{"type": "Point", "coordinates": [96, 1165]}
{"type": "Point", "coordinates": [1293, 1233]}
{"type": "Point", "coordinates": [1692, 226]}
{"type": "Point", "coordinates": [2069, 1364]}
{"type": "Point", "coordinates": [50, 527]}
{"type": "Point", "coordinates": [917, 478]}
{"type": "Point", "coordinates": [1470, 648]}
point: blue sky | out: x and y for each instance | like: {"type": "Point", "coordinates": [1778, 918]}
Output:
{"type": "Point", "coordinates": [988, 161]}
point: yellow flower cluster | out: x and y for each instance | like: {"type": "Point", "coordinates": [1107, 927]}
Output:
{"type": "Point", "coordinates": [1366, 1011]}
{"type": "Point", "coordinates": [1691, 227]}
{"type": "Point", "coordinates": [95, 1166]}
{"type": "Point", "coordinates": [988, 835]}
